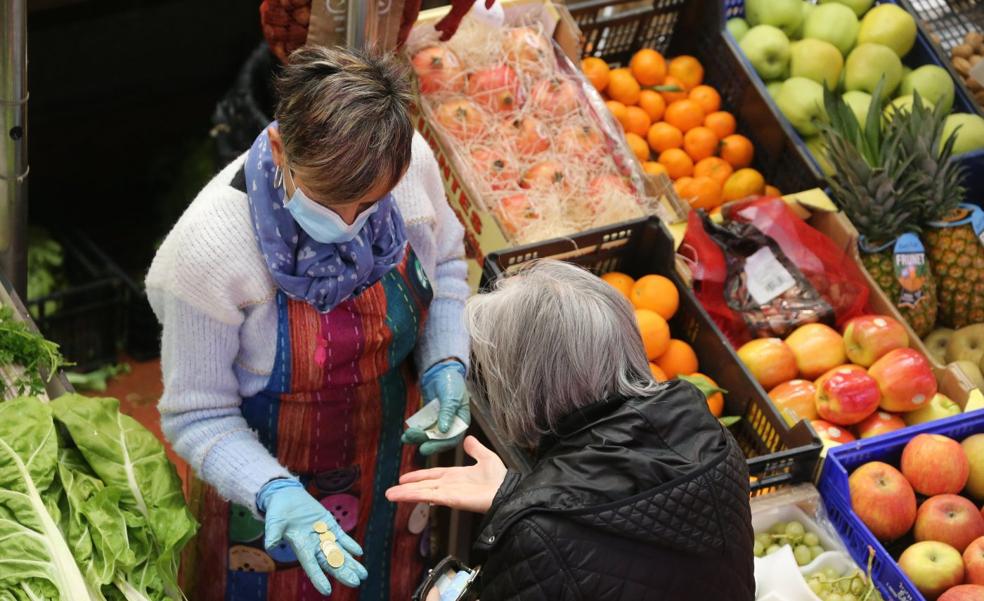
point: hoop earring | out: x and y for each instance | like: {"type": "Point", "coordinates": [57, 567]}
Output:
{"type": "Point", "coordinates": [278, 177]}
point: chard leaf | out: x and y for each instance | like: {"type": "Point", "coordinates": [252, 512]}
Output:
{"type": "Point", "coordinates": [32, 548]}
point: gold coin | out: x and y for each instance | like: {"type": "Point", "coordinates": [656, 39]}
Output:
{"type": "Point", "coordinates": [326, 546]}
{"type": "Point", "coordinates": [335, 558]}
{"type": "Point", "coordinates": [328, 536]}
{"type": "Point", "coordinates": [320, 527]}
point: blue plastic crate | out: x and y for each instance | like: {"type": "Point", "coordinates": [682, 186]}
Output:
{"type": "Point", "coordinates": [833, 486]}
{"type": "Point", "coordinates": [922, 53]}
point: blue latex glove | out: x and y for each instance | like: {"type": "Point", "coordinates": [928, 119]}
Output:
{"type": "Point", "coordinates": [291, 513]}
{"type": "Point", "coordinates": [445, 382]}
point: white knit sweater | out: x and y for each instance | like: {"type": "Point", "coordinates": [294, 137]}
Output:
{"type": "Point", "coordinates": [215, 299]}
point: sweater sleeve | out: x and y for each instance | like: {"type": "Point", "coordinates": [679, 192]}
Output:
{"type": "Point", "coordinates": [200, 409]}
{"type": "Point", "coordinates": [444, 334]}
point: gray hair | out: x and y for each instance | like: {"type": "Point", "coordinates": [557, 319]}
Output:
{"type": "Point", "coordinates": [548, 341]}
{"type": "Point", "coordinates": [344, 119]}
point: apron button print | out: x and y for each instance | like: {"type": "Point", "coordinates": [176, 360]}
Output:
{"type": "Point", "coordinates": [248, 559]}
{"type": "Point", "coordinates": [419, 518]}
{"type": "Point", "coordinates": [336, 481]}
{"type": "Point", "coordinates": [243, 527]}
{"type": "Point", "coordinates": [345, 510]}
{"type": "Point", "coordinates": [283, 553]}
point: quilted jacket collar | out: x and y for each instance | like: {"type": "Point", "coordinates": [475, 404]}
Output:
{"type": "Point", "coordinates": [648, 469]}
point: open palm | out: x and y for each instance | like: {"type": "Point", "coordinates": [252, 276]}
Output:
{"type": "Point", "coordinates": [470, 488]}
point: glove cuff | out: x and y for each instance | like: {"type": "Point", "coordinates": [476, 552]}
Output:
{"type": "Point", "coordinates": [273, 487]}
{"type": "Point", "coordinates": [440, 366]}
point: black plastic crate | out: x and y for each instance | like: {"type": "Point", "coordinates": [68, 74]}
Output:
{"type": "Point", "coordinates": [777, 454]}
{"type": "Point", "coordinates": [614, 30]}
{"type": "Point", "coordinates": [949, 20]}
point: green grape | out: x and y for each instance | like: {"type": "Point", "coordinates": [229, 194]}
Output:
{"type": "Point", "coordinates": [816, 551]}
{"type": "Point", "coordinates": [830, 574]}
{"type": "Point", "coordinates": [758, 549]}
{"type": "Point", "coordinates": [816, 586]}
{"type": "Point", "coordinates": [834, 597]}
{"type": "Point", "coordinates": [844, 586]}
{"type": "Point", "coordinates": [763, 539]}
{"type": "Point", "coordinates": [795, 529]}
{"type": "Point", "coordinates": [778, 528]}
{"type": "Point", "coordinates": [811, 540]}
{"type": "Point", "coordinates": [802, 555]}
{"type": "Point", "coordinates": [772, 549]}
{"type": "Point", "coordinates": [849, 597]}
{"type": "Point", "coordinates": [857, 585]}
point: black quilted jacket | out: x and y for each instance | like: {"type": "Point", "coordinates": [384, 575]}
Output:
{"type": "Point", "coordinates": [645, 499]}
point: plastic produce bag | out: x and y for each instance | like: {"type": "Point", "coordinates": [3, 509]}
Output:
{"type": "Point", "coordinates": [765, 272]}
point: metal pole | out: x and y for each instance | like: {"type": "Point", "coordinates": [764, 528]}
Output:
{"type": "Point", "coordinates": [363, 22]}
{"type": "Point", "coordinates": [13, 142]}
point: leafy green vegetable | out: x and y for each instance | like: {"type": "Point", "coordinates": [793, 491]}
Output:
{"type": "Point", "coordinates": [21, 347]}
{"type": "Point", "coordinates": [45, 258]}
{"type": "Point", "coordinates": [97, 380]}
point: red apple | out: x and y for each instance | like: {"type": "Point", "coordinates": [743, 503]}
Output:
{"type": "Point", "coordinates": [870, 337]}
{"type": "Point", "coordinates": [499, 169]}
{"type": "Point", "coordinates": [544, 175]}
{"type": "Point", "coordinates": [438, 68]}
{"type": "Point", "coordinates": [496, 88]}
{"type": "Point", "coordinates": [974, 561]}
{"type": "Point", "coordinates": [973, 447]}
{"type": "Point", "coordinates": [879, 422]}
{"type": "Point", "coordinates": [461, 118]}
{"type": "Point", "coordinates": [905, 379]}
{"type": "Point", "coordinates": [846, 395]}
{"type": "Point", "coordinates": [933, 567]}
{"type": "Point", "coordinates": [949, 519]}
{"type": "Point", "coordinates": [531, 136]}
{"type": "Point", "coordinates": [818, 349]}
{"type": "Point", "coordinates": [557, 97]}
{"type": "Point", "coordinates": [883, 499]}
{"type": "Point", "coordinates": [935, 465]}
{"type": "Point", "coordinates": [828, 431]}
{"type": "Point", "coordinates": [770, 361]}
{"type": "Point", "coordinates": [796, 400]}
{"type": "Point", "coordinates": [964, 592]}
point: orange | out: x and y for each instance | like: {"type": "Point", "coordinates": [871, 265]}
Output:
{"type": "Point", "coordinates": [653, 104]}
{"type": "Point", "coordinates": [721, 123]}
{"type": "Point", "coordinates": [684, 115]}
{"type": "Point", "coordinates": [620, 282]}
{"type": "Point", "coordinates": [597, 72]}
{"type": "Point", "coordinates": [772, 191]}
{"type": "Point", "coordinates": [737, 150]}
{"type": "Point", "coordinates": [707, 97]}
{"type": "Point", "coordinates": [669, 96]}
{"type": "Point", "coordinates": [688, 70]}
{"type": "Point", "coordinates": [623, 87]}
{"type": "Point", "coordinates": [743, 183]}
{"type": "Point", "coordinates": [638, 146]}
{"type": "Point", "coordinates": [715, 168]}
{"type": "Point", "coordinates": [637, 121]}
{"type": "Point", "coordinates": [681, 184]}
{"type": "Point", "coordinates": [617, 109]}
{"type": "Point", "coordinates": [658, 374]}
{"type": "Point", "coordinates": [677, 162]}
{"type": "Point", "coordinates": [656, 293]}
{"type": "Point", "coordinates": [648, 66]}
{"type": "Point", "coordinates": [701, 193]}
{"type": "Point", "coordinates": [700, 143]}
{"type": "Point", "coordinates": [655, 332]}
{"type": "Point", "coordinates": [715, 402]}
{"type": "Point", "coordinates": [654, 168]}
{"type": "Point", "coordinates": [679, 359]}
{"type": "Point", "coordinates": [663, 136]}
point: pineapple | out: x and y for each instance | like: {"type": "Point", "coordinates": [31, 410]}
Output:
{"type": "Point", "coordinates": [876, 186]}
{"type": "Point", "coordinates": [957, 257]}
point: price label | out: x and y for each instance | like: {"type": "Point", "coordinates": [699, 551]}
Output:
{"type": "Point", "coordinates": [767, 278]}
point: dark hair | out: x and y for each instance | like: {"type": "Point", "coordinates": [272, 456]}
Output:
{"type": "Point", "coordinates": [344, 119]}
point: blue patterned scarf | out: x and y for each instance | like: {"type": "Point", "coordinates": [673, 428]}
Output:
{"type": "Point", "coordinates": [323, 275]}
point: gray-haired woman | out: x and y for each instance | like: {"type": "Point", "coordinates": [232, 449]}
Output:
{"type": "Point", "coordinates": [292, 293]}
{"type": "Point", "coordinates": [637, 491]}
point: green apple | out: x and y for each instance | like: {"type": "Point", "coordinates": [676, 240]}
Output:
{"type": "Point", "coordinates": [903, 104]}
{"type": "Point", "coordinates": [816, 60]}
{"type": "Point", "coordinates": [834, 23]}
{"type": "Point", "coordinates": [774, 87]}
{"type": "Point", "coordinates": [801, 101]}
{"type": "Point", "coordinates": [868, 64]}
{"type": "Point", "coordinates": [939, 406]}
{"type": "Point", "coordinates": [784, 14]}
{"type": "Point", "coordinates": [767, 48]}
{"type": "Point", "coordinates": [890, 25]}
{"type": "Point", "coordinates": [859, 102]}
{"type": "Point", "coordinates": [737, 27]}
{"type": "Point", "coordinates": [970, 136]}
{"type": "Point", "coordinates": [933, 83]}
{"type": "Point", "coordinates": [808, 8]}
{"type": "Point", "coordinates": [858, 6]}
{"type": "Point", "coordinates": [819, 151]}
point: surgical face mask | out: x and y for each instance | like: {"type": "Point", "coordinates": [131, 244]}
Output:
{"type": "Point", "coordinates": [320, 222]}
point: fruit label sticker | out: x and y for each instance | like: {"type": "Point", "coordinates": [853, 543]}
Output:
{"type": "Point", "coordinates": [767, 278]}
{"type": "Point", "coordinates": [977, 221]}
{"type": "Point", "coordinates": [911, 270]}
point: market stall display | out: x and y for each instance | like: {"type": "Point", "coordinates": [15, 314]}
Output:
{"type": "Point", "coordinates": [914, 496]}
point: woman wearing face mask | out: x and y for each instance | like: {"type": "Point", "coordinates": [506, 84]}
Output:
{"type": "Point", "coordinates": [302, 295]}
